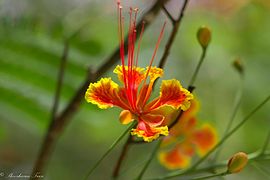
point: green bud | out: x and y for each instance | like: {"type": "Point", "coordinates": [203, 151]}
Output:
{"type": "Point", "coordinates": [237, 162]}
{"type": "Point", "coordinates": [204, 36]}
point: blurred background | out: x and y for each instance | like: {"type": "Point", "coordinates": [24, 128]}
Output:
{"type": "Point", "coordinates": [31, 43]}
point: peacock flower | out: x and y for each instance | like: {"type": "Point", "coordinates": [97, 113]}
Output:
{"type": "Point", "coordinates": [136, 87]}
{"type": "Point", "coordinates": [186, 139]}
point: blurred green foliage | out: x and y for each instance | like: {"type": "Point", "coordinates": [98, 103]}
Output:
{"type": "Point", "coordinates": [31, 43]}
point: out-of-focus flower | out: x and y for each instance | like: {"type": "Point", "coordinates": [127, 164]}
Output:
{"type": "Point", "coordinates": [186, 139]}
{"type": "Point", "coordinates": [137, 87]}
{"type": "Point", "coordinates": [237, 162]}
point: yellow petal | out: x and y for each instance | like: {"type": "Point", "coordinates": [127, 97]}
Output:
{"type": "Point", "coordinates": [153, 120]}
{"type": "Point", "coordinates": [149, 133]}
{"type": "Point", "coordinates": [154, 73]}
{"type": "Point", "coordinates": [138, 73]}
{"type": "Point", "coordinates": [167, 112]}
{"type": "Point", "coordinates": [172, 94]}
{"type": "Point", "coordinates": [105, 94]}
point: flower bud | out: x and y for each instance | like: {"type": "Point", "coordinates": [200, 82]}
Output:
{"type": "Point", "coordinates": [237, 162]}
{"type": "Point", "coordinates": [126, 117]}
{"type": "Point", "coordinates": [204, 36]}
{"type": "Point", "coordinates": [238, 65]}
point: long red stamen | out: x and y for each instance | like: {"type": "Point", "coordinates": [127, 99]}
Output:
{"type": "Point", "coordinates": [121, 39]}
{"type": "Point", "coordinates": [122, 49]}
{"type": "Point", "coordinates": [130, 52]}
{"type": "Point", "coordinates": [156, 48]}
{"type": "Point", "coordinates": [137, 58]}
{"type": "Point", "coordinates": [129, 74]}
{"type": "Point", "coordinates": [133, 69]}
{"type": "Point", "coordinates": [151, 62]}
{"type": "Point", "coordinates": [139, 44]}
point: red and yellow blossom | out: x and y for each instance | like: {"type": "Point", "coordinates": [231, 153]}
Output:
{"type": "Point", "coordinates": [187, 138]}
{"type": "Point", "coordinates": [137, 85]}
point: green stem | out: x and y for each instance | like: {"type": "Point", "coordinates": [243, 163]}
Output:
{"type": "Point", "coordinates": [255, 156]}
{"type": "Point", "coordinates": [149, 160]}
{"type": "Point", "coordinates": [190, 86]}
{"type": "Point", "coordinates": [109, 150]}
{"type": "Point", "coordinates": [266, 143]}
{"type": "Point", "coordinates": [121, 157]}
{"type": "Point", "coordinates": [195, 74]}
{"type": "Point", "coordinates": [261, 169]}
{"type": "Point", "coordinates": [131, 168]}
{"type": "Point", "coordinates": [211, 176]}
{"type": "Point", "coordinates": [229, 134]}
{"type": "Point", "coordinates": [238, 100]}
{"type": "Point", "coordinates": [211, 168]}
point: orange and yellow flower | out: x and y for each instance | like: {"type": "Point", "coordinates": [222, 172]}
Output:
{"type": "Point", "coordinates": [133, 96]}
{"type": "Point", "coordinates": [187, 138]}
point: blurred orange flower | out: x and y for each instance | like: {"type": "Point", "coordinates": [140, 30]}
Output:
{"type": "Point", "coordinates": [186, 139]}
{"type": "Point", "coordinates": [137, 87]}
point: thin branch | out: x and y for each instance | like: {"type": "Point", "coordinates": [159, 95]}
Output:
{"type": "Point", "coordinates": [60, 80]}
{"type": "Point", "coordinates": [57, 127]}
{"type": "Point", "coordinates": [109, 150]}
{"type": "Point", "coordinates": [121, 157]}
{"type": "Point", "coordinates": [166, 53]}
{"type": "Point", "coordinates": [211, 176]}
{"type": "Point", "coordinates": [191, 86]}
{"type": "Point", "coordinates": [152, 155]}
{"type": "Point", "coordinates": [41, 161]}
{"type": "Point", "coordinates": [195, 74]}
{"type": "Point", "coordinates": [172, 35]}
{"type": "Point", "coordinates": [137, 165]}
{"type": "Point", "coordinates": [168, 14]}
